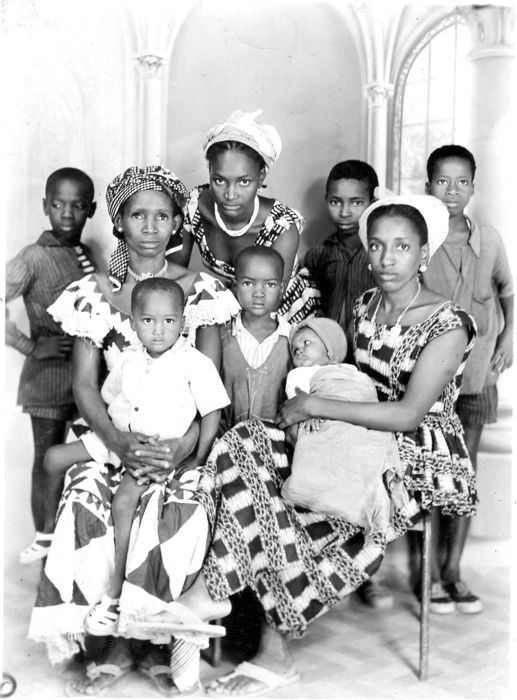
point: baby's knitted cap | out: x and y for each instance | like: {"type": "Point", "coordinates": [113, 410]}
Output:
{"type": "Point", "coordinates": [330, 333]}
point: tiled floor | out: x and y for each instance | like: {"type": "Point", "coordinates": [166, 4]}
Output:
{"type": "Point", "coordinates": [352, 652]}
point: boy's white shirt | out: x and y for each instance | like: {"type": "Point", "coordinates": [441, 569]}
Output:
{"type": "Point", "coordinates": [162, 395]}
{"type": "Point", "coordinates": [256, 353]}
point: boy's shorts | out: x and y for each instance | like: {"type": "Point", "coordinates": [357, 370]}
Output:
{"type": "Point", "coordinates": [58, 413]}
{"type": "Point", "coordinates": [478, 409]}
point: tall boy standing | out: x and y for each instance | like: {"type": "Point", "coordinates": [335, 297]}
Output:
{"type": "Point", "coordinates": [39, 273]}
{"type": "Point", "coordinates": [472, 269]}
{"type": "Point", "coordinates": [339, 264]}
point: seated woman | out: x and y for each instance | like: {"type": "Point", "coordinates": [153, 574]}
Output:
{"type": "Point", "coordinates": [145, 207]}
{"type": "Point", "coordinates": [228, 214]}
{"type": "Point", "coordinates": [413, 344]}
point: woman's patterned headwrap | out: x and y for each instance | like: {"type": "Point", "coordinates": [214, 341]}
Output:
{"type": "Point", "coordinates": [120, 189]}
{"type": "Point", "coordinates": [242, 127]}
{"type": "Point", "coordinates": [434, 212]}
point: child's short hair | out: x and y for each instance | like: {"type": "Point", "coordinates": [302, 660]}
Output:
{"type": "Point", "coordinates": [257, 251]}
{"type": "Point", "coordinates": [354, 170]}
{"type": "Point", "coordinates": [449, 151]}
{"type": "Point", "coordinates": [160, 285]}
{"type": "Point", "coordinates": [412, 214]}
{"type": "Point", "coordinates": [70, 174]}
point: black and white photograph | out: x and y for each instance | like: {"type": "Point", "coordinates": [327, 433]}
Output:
{"type": "Point", "coordinates": [258, 261]}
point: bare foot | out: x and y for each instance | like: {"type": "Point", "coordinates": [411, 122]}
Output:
{"type": "Point", "coordinates": [119, 655]}
{"type": "Point", "coordinates": [198, 599]}
{"type": "Point", "coordinates": [273, 655]}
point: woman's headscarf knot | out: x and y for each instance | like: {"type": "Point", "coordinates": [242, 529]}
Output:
{"type": "Point", "coordinates": [242, 127]}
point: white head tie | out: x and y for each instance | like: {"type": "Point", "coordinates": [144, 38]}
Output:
{"type": "Point", "coordinates": [434, 212]}
{"type": "Point", "coordinates": [242, 127]}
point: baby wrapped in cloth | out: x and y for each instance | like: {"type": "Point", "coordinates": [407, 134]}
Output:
{"type": "Point", "coordinates": [341, 469]}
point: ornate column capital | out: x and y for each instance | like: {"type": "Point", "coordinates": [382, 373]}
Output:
{"type": "Point", "coordinates": [492, 31]}
{"type": "Point", "coordinates": [150, 65]}
{"type": "Point", "coordinates": [378, 93]}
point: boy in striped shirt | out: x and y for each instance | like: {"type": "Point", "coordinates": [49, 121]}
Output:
{"type": "Point", "coordinates": [39, 273]}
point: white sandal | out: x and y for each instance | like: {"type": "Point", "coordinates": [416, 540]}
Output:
{"type": "Point", "coordinates": [38, 548]}
{"type": "Point", "coordinates": [102, 620]}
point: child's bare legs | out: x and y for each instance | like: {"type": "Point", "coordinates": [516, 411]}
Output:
{"type": "Point", "coordinates": [58, 459]}
{"type": "Point", "coordinates": [454, 545]}
{"type": "Point", "coordinates": [46, 432]}
{"type": "Point", "coordinates": [123, 506]}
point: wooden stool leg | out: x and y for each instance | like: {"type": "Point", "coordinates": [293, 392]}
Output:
{"type": "Point", "coordinates": [215, 649]}
{"type": "Point", "coordinates": [425, 597]}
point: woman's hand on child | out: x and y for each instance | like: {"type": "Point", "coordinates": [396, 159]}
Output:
{"type": "Point", "coordinates": [311, 425]}
{"type": "Point", "coordinates": [49, 347]}
{"type": "Point", "coordinates": [294, 410]}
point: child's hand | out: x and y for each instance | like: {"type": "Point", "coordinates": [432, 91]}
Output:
{"type": "Point", "coordinates": [311, 425]}
{"type": "Point", "coordinates": [55, 346]}
{"type": "Point", "coordinates": [503, 355]}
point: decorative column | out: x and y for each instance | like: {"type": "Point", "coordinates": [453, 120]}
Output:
{"type": "Point", "coordinates": [378, 95]}
{"type": "Point", "coordinates": [492, 129]}
{"type": "Point", "coordinates": [150, 83]}
{"type": "Point", "coordinates": [493, 113]}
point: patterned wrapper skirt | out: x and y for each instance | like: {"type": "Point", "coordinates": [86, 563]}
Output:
{"type": "Point", "coordinates": [298, 563]}
{"type": "Point", "coordinates": [168, 542]}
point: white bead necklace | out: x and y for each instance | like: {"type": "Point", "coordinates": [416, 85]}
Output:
{"type": "Point", "coordinates": [138, 277]}
{"type": "Point", "coordinates": [244, 229]}
{"type": "Point", "coordinates": [380, 336]}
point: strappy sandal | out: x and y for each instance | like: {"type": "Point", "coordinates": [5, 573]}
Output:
{"type": "Point", "coordinates": [38, 549]}
{"type": "Point", "coordinates": [102, 620]}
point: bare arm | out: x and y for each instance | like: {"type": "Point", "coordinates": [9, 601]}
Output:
{"type": "Point", "coordinates": [182, 257]}
{"type": "Point", "coordinates": [287, 246]}
{"type": "Point", "coordinates": [208, 341]}
{"type": "Point", "coordinates": [435, 367]}
{"type": "Point", "coordinates": [503, 355]}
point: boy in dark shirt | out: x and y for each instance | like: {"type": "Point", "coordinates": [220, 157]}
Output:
{"type": "Point", "coordinates": [39, 273]}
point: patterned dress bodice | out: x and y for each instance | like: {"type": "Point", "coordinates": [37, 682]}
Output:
{"type": "Point", "coordinates": [390, 363]}
{"type": "Point", "coordinates": [280, 219]}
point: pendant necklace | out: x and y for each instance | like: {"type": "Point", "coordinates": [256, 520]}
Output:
{"type": "Point", "coordinates": [381, 335]}
{"type": "Point", "coordinates": [138, 277]}
{"type": "Point", "coordinates": [241, 231]}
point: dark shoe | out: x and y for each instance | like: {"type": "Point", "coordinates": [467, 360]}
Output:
{"type": "Point", "coordinates": [465, 601]}
{"type": "Point", "coordinates": [440, 601]}
{"type": "Point", "coordinates": [375, 595]}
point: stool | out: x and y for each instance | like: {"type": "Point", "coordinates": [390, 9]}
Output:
{"type": "Point", "coordinates": [214, 652]}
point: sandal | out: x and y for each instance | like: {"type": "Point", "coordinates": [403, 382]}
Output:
{"type": "Point", "coordinates": [102, 620]}
{"type": "Point", "coordinates": [38, 549]}
{"type": "Point", "coordinates": [112, 672]}
{"type": "Point", "coordinates": [153, 673]}
{"type": "Point", "coordinates": [185, 624]}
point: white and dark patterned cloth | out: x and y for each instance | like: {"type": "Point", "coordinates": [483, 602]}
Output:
{"type": "Point", "coordinates": [124, 186]}
{"type": "Point", "coordinates": [298, 563]}
{"type": "Point", "coordinates": [438, 471]}
{"type": "Point", "coordinates": [169, 534]}
{"type": "Point", "coordinates": [301, 298]}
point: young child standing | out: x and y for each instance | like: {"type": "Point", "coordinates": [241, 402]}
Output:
{"type": "Point", "coordinates": [255, 345]}
{"type": "Point", "coordinates": [471, 268]}
{"type": "Point", "coordinates": [339, 267]}
{"type": "Point", "coordinates": [39, 273]}
{"type": "Point", "coordinates": [154, 390]}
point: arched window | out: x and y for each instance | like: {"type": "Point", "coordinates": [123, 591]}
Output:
{"type": "Point", "coordinates": [431, 102]}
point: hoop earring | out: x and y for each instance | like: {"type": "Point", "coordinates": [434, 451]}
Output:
{"type": "Point", "coordinates": [369, 266]}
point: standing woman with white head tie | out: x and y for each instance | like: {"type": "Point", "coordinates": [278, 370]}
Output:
{"type": "Point", "coordinates": [228, 214]}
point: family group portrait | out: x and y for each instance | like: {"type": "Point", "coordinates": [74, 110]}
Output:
{"type": "Point", "coordinates": [258, 349]}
